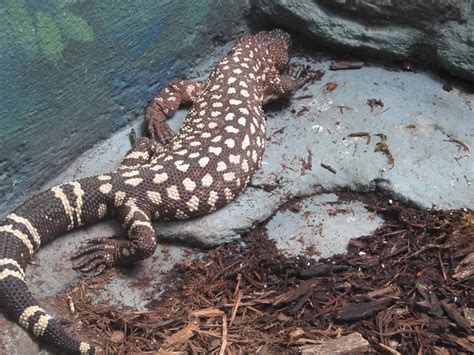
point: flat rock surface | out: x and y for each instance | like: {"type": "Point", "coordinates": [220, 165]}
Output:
{"type": "Point", "coordinates": [426, 135]}
{"type": "Point", "coordinates": [320, 226]}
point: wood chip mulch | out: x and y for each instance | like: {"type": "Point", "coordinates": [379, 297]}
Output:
{"type": "Point", "coordinates": [408, 288]}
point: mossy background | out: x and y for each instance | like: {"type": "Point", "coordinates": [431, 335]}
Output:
{"type": "Point", "coordinates": [43, 28]}
{"type": "Point", "coordinates": [74, 71]}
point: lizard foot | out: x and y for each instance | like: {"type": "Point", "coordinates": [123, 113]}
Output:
{"type": "Point", "coordinates": [157, 128]}
{"type": "Point", "coordinates": [304, 74]}
{"type": "Point", "coordinates": [97, 255]}
{"type": "Point", "coordinates": [144, 144]}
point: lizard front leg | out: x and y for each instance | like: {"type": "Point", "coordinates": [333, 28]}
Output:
{"type": "Point", "coordinates": [102, 253]}
{"type": "Point", "coordinates": [284, 85]}
{"type": "Point", "coordinates": [165, 104]}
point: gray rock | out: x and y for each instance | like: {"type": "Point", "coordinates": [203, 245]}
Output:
{"type": "Point", "coordinates": [440, 32]}
{"type": "Point", "coordinates": [421, 123]}
{"type": "Point", "coordinates": [322, 227]}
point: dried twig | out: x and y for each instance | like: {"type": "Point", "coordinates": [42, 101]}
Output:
{"type": "Point", "coordinates": [328, 167]}
{"type": "Point", "coordinates": [236, 307]}
{"type": "Point", "coordinates": [224, 335]}
{"type": "Point", "coordinates": [345, 65]}
{"type": "Point", "coordinates": [389, 349]}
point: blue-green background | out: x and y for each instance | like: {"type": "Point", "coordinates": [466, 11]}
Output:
{"type": "Point", "coordinates": [73, 71]}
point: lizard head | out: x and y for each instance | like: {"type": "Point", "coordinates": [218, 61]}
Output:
{"type": "Point", "coordinates": [278, 48]}
{"type": "Point", "coordinates": [276, 44]}
{"type": "Point", "coordinates": [274, 37]}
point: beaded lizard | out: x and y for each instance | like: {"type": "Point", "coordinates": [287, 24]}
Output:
{"type": "Point", "coordinates": [202, 168]}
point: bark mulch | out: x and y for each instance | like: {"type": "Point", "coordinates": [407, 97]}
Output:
{"type": "Point", "coordinates": [408, 288]}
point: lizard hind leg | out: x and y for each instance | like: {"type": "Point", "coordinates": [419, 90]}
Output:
{"type": "Point", "coordinates": [101, 253]}
{"type": "Point", "coordinates": [143, 150]}
{"type": "Point", "coordinates": [165, 104]}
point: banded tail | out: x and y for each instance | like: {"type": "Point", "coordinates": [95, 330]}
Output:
{"type": "Point", "coordinates": [34, 223]}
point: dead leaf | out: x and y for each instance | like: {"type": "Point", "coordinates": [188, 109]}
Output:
{"type": "Point", "coordinates": [330, 86]}
{"type": "Point", "coordinates": [297, 333]}
{"type": "Point", "coordinates": [447, 87]}
{"type": "Point", "coordinates": [117, 336]}
{"type": "Point", "coordinates": [374, 102]}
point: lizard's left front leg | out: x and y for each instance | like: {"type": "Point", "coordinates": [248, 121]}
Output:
{"type": "Point", "coordinates": [103, 253]}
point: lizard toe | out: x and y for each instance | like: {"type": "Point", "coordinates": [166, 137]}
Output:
{"type": "Point", "coordinates": [163, 132]}
{"type": "Point", "coordinates": [93, 245]}
{"type": "Point", "coordinates": [98, 254]}
{"type": "Point", "coordinates": [97, 262]}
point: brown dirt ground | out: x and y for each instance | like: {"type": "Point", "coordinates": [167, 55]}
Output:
{"type": "Point", "coordinates": [402, 288]}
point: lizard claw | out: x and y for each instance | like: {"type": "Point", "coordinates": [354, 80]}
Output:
{"type": "Point", "coordinates": [144, 144]}
{"type": "Point", "coordinates": [97, 255]}
{"type": "Point", "coordinates": [158, 130]}
{"type": "Point", "coordinates": [133, 137]}
{"type": "Point", "coordinates": [304, 74]}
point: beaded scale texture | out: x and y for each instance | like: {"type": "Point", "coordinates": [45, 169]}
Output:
{"type": "Point", "coordinates": [200, 169]}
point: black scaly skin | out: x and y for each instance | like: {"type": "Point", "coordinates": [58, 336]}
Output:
{"type": "Point", "coordinates": [199, 170]}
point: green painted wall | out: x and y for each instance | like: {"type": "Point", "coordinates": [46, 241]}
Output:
{"type": "Point", "coordinates": [74, 71]}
